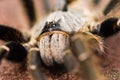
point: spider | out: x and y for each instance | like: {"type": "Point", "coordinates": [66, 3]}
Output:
{"type": "Point", "coordinates": [49, 39]}
{"type": "Point", "coordinates": [38, 49]}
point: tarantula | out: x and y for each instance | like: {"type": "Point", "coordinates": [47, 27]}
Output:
{"type": "Point", "coordinates": [50, 38]}
{"type": "Point", "coordinates": [47, 44]}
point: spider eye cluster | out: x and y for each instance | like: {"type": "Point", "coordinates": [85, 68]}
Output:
{"type": "Point", "coordinates": [51, 26]}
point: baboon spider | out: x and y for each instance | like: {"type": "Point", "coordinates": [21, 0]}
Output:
{"type": "Point", "coordinates": [50, 39]}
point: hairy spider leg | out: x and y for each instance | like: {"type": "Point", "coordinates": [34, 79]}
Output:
{"type": "Point", "coordinates": [30, 10]}
{"type": "Point", "coordinates": [70, 61]}
{"type": "Point", "coordinates": [83, 46]}
{"type": "Point", "coordinates": [111, 6]}
{"type": "Point", "coordinates": [10, 34]}
{"type": "Point", "coordinates": [34, 65]}
{"type": "Point", "coordinates": [109, 27]}
{"type": "Point", "coordinates": [13, 51]}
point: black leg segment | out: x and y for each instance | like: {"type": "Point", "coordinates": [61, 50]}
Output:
{"type": "Point", "coordinates": [34, 65]}
{"type": "Point", "coordinates": [109, 27]}
{"type": "Point", "coordinates": [13, 51]}
{"type": "Point", "coordinates": [10, 34]}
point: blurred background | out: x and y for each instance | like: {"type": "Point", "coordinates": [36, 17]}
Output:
{"type": "Point", "coordinates": [14, 12]}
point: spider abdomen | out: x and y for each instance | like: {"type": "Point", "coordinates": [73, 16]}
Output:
{"type": "Point", "coordinates": [51, 47]}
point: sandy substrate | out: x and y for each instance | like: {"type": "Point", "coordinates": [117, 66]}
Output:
{"type": "Point", "coordinates": [110, 64]}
